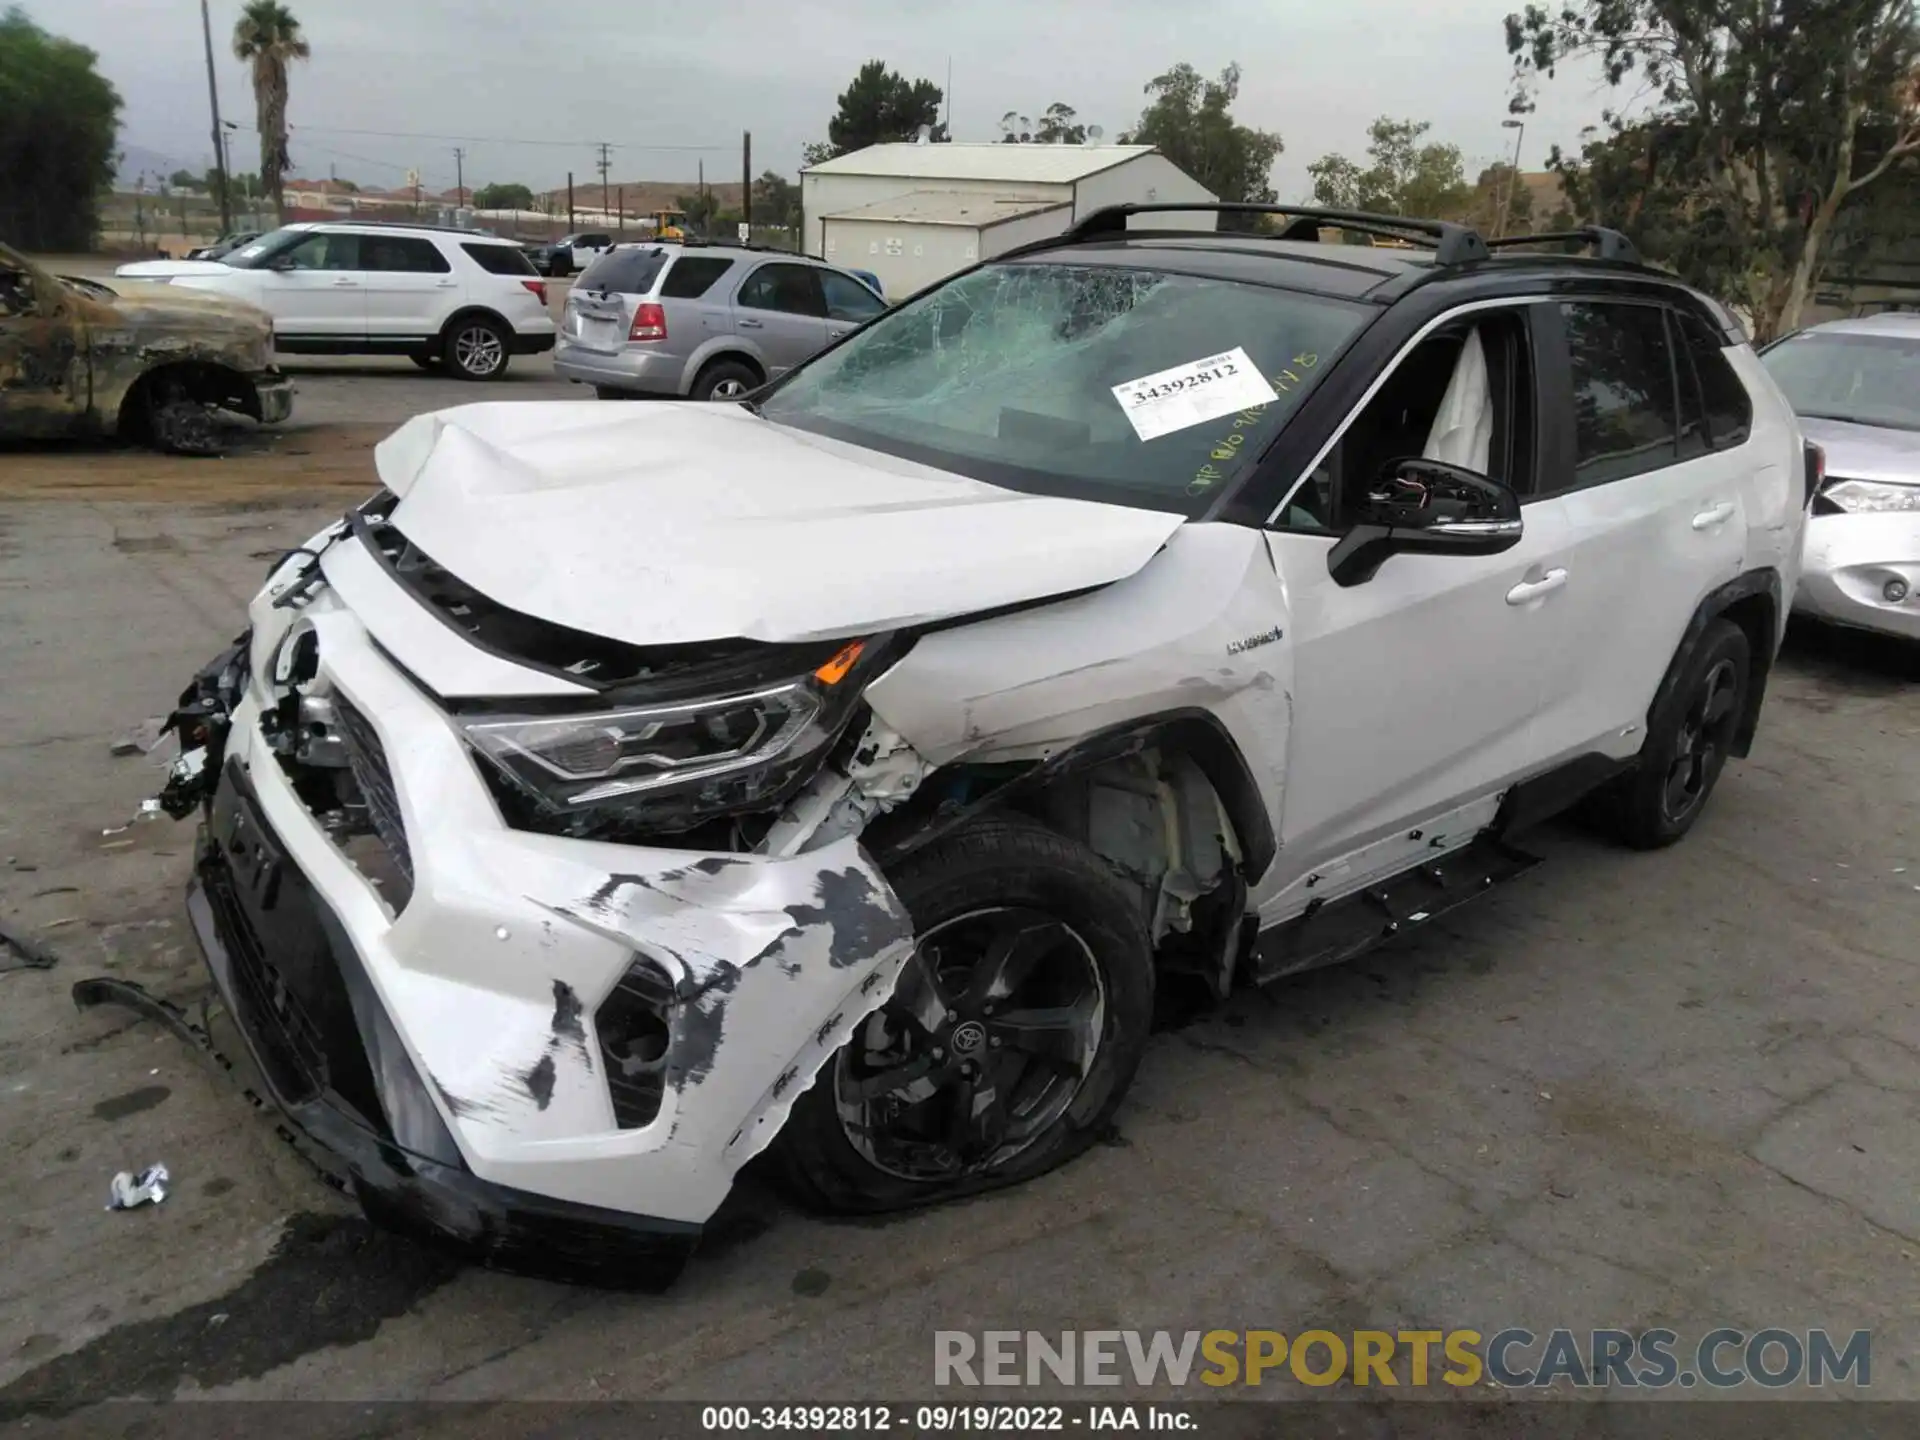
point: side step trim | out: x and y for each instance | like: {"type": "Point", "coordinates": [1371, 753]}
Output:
{"type": "Point", "coordinates": [1333, 932]}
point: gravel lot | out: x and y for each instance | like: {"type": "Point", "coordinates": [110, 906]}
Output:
{"type": "Point", "coordinates": [1627, 1090]}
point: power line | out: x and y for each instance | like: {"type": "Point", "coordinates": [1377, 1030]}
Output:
{"type": "Point", "coordinates": [497, 139]}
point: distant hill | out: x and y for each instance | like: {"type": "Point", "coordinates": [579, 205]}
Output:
{"type": "Point", "coordinates": [137, 159]}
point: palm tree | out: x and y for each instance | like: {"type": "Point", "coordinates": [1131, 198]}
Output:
{"type": "Point", "coordinates": [268, 36]}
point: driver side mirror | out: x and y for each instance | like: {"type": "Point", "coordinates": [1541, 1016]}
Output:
{"type": "Point", "coordinates": [282, 263]}
{"type": "Point", "coordinates": [1426, 507]}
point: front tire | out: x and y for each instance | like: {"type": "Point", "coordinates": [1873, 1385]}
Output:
{"type": "Point", "coordinates": [1010, 1039]}
{"type": "Point", "coordinates": [1689, 737]}
{"type": "Point", "coordinates": [476, 348]}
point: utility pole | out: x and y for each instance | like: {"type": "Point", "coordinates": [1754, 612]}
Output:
{"type": "Point", "coordinates": [606, 164]}
{"type": "Point", "coordinates": [460, 176]}
{"type": "Point", "coordinates": [569, 200]}
{"type": "Point", "coordinates": [620, 211]}
{"type": "Point", "coordinates": [213, 99]}
{"type": "Point", "coordinates": [746, 181]}
{"type": "Point", "coordinates": [705, 228]}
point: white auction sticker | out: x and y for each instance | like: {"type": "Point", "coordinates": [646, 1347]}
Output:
{"type": "Point", "coordinates": [1192, 394]}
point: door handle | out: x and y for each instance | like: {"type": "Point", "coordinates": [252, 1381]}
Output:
{"type": "Point", "coordinates": [749, 324]}
{"type": "Point", "coordinates": [1528, 590]}
{"type": "Point", "coordinates": [836, 334]}
{"type": "Point", "coordinates": [446, 284]}
{"type": "Point", "coordinates": [347, 284]}
{"type": "Point", "coordinates": [1714, 515]}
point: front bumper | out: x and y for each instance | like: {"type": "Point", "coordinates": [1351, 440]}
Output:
{"type": "Point", "coordinates": [1846, 566]}
{"type": "Point", "coordinates": [276, 396]}
{"type": "Point", "coordinates": [327, 1055]}
{"type": "Point", "coordinates": [480, 991]}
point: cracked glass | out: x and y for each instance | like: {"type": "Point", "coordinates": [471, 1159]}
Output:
{"type": "Point", "coordinates": [1007, 374]}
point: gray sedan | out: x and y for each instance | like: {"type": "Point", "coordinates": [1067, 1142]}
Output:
{"type": "Point", "coordinates": [1856, 386]}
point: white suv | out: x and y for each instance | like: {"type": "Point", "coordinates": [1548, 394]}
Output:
{"type": "Point", "coordinates": [452, 299]}
{"type": "Point", "coordinates": [626, 789]}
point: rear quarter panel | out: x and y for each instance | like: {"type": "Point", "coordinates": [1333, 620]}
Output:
{"type": "Point", "coordinates": [1773, 489]}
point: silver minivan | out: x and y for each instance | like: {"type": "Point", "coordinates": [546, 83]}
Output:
{"type": "Point", "coordinates": [709, 322]}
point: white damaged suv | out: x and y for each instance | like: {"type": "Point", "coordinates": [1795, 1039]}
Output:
{"type": "Point", "coordinates": [625, 791]}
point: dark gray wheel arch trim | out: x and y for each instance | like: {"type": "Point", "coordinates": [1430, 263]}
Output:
{"type": "Point", "coordinates": [1195, 733]}
{"type": "Point", "coordinates": [1763, 584]}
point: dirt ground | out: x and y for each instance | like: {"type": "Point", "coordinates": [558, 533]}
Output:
{"type": "Point", "coordinates": [1626, 1090]}
{"type": "Point", "coordinates": [261, 467]}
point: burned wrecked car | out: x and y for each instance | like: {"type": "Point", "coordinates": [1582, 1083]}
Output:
{"type": "Point", "coordinates": [148, 363]}
{"type": "Point", "coordinates": [623, 793]}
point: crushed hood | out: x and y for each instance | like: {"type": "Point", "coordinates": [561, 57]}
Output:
{"type": "Point", "coordinates": [669, 523]}
{"type": "Point", "coordinates": [1866, 452]}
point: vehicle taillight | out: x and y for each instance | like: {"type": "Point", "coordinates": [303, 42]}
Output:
{"type": "Point", "coordinates": [539, 289]}
{"type": "Point", "coordinates": [649, 322]}
{"type": "Point", "coordinates": [1816, 470]}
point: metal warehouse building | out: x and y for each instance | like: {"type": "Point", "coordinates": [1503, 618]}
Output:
{"type": "Point", "coordinates": [912, 214]}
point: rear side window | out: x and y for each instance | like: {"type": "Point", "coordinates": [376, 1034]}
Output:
{"type": "Point", "coordinates": [794, 289]}
{"type": "Point", "coordinates": [847, 298]}
{"type": "Point", "coordinates": [402, 253]}
{"type": "Point", "coordinates": [1728, 410]}
{"type": "Point", "coordinates": [500, 259]}
{"type": "Point", "coordinates": [692, 276]}
{"type": "Point", "coordinates": [1624, 419]}
{"type": "Point", "coordinates": [623, 272]}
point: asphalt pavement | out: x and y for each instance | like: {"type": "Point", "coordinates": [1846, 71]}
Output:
{"type": "Point", "coordinates": [1627, 1090]}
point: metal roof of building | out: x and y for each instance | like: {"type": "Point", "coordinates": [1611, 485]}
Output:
{"type": "Point", "coordinates": [1033, 164]}
{"type": "Point", "coordinates": [948, 207]}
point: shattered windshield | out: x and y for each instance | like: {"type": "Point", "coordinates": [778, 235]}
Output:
{"type": "Point", "coordinates": [1131, 386]}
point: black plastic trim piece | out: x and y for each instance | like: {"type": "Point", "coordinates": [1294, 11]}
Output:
{"type": "Point", "coordinates": [1743, 587]}
{"type": "Point", "coordinates": [1530, 802]}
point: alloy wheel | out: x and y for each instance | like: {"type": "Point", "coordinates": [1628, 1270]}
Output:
{"type": "Point", "coordinates": [728, 390]}
{"type": "Point", "coordinates": [991, 1032]}
{"type": "Point", "coordinates": [478, 351]}
{"type": "Point", "coordinates": [1706, 731]}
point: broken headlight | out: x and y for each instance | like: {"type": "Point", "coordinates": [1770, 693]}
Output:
{"type": "Point", "coordinates": [678, 762]}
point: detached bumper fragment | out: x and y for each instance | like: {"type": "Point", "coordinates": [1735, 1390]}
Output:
{"type": "Point", "coordinates": [276, 396]}
{"type": "Point", "coordinates": [325, 1053]}
{"type": "Point", "coordinates": [201, 721]}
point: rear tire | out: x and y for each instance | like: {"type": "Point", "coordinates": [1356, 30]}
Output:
{"type": "Point", "coordinates": [1010, 1038]}
{"type": "Point", "coordinates": [725, 380]}
{"type": "Point", "coordinates": [476, 348]}
{"type": "Point", "coordinates": [1689, 736]}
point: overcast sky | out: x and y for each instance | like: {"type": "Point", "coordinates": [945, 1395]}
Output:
{"type": "Point", "coordinates": [672, 85]}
